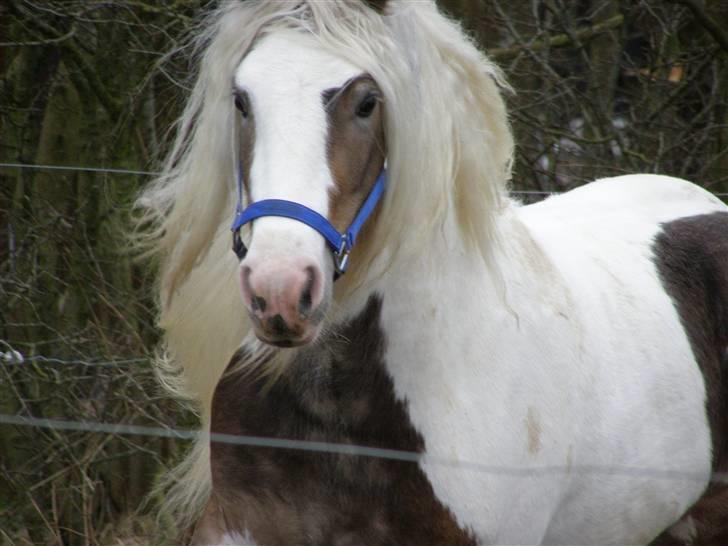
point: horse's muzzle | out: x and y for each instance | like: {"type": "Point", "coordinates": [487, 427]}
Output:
{"type": "Point", "coordinates": [284, 302]}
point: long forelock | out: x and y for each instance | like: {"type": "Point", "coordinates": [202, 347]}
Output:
{"type": "Point", "coordinates": [449, 142]}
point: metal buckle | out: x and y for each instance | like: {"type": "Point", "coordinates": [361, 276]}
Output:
{"type": "Point", "coordinates": [341, 256]}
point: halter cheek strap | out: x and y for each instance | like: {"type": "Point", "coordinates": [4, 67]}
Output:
{"type": "Point", "coordinates": [340, 243]}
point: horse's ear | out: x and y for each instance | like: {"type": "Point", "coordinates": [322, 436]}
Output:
{"type": "Point", "coordinates": [377, 5]}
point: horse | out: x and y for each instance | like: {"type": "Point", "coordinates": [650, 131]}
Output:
{"type": "Point", "coordinates": [492, 373]}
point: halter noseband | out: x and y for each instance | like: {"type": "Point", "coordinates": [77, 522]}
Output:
{"type": "Point", "coordinates": [340, 243]}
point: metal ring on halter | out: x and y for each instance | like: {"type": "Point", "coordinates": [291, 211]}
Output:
{"type": "Point", "coordinates": [341, 256]}
{"type": "Point", "coordinates": [339, 243]}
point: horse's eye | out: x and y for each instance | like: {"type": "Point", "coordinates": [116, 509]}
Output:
{"type": "Point", "coordinates": [366, 107]}
{"type": "Point", "coordinates": [241, 103]}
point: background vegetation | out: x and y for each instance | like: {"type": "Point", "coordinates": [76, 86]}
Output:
{"type": "Point", "coordinates": [603, 87]}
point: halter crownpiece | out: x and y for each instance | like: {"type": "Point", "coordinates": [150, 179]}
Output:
{"type": "Point", "coordinates": [340, 243]}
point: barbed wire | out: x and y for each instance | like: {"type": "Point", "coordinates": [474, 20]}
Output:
{"type": "Point", "coordinates": [18, 359]}
{"type": "Point", "coordinates": [354, 450]}
{"type": "Point", "coordinates": [114, 170]}
{"type": "Point", "coordinates": [11, 356]}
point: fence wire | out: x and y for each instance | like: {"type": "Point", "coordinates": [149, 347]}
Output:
{"type": "Point", "coordinates": [77, 168]}
{"type": "Point", "coordinates": [14, 357]}
{"type": "Point", "coordinates": [113, 170]}
{"type": "Point", "coordinates": [359, 451]}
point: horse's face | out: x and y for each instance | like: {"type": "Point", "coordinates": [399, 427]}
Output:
{"type": "Point", "coordinates": [311, 132]}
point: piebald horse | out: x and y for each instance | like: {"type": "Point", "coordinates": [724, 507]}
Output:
{"type": "Point", "coordinates": [558, 371]}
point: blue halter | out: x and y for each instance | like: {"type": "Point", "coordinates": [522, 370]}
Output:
{"type": "Point", "coordinates": [340, 243]}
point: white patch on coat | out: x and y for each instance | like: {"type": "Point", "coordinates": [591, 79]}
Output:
{"type": "Point", "coordinates": [236, 539]}
{"type": "Point", "coordinates": [583, 335]}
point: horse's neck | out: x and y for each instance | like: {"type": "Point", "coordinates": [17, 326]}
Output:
{"type": "Point", "coordinates": [454, 305]}
{"type": "Point", "coordinates": [428, 288]}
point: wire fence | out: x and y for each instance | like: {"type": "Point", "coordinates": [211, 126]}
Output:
{"type": "Point", "coordinates": [113, 170]}
{"type": "Point", "coordinates": [359, 451]}
{"type": "Point", "coordinates": [12, 356]}
{"type": "Point", "coordinates": [77, 168]}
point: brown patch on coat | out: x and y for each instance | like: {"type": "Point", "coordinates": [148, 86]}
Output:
{"type": "Point", "coordinates": [336, 391]}
{"type": "Point", "coordinates": [356, 147]}
{"type": "Point", "coordinates": [691, 255]}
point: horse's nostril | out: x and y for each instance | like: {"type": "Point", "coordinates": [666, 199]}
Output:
{"type": "Point", "coordinates": [258, 303]}
{"type": "Point", "coordinates": [304, 306]}
{"type": "Point", "coordinates": [306, 301]}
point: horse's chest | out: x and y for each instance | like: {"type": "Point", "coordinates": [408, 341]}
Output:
{"type": "Point", "coordinates": [292, 496]}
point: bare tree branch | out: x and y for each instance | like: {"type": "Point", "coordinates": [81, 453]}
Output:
{"type": "Point", "coordinates": [699, 12]}
{"type": "Point", "coordinates": [560, 40]}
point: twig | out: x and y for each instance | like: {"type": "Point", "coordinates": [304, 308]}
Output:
{"type": "Point", "coordinates": [698, 11]}
{"type": "Point", "coordinates": [560, 40]}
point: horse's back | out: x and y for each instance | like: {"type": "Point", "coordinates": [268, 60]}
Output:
{"type": "Point", "coordinates": [648, 196]}
{"type": "Point", "coordinates": [650, 255]}
{"type": "Point", "coordinates": [612, 227]}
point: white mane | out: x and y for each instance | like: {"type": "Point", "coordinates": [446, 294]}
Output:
{"type": "Point", "coordinates": [449, 155]}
